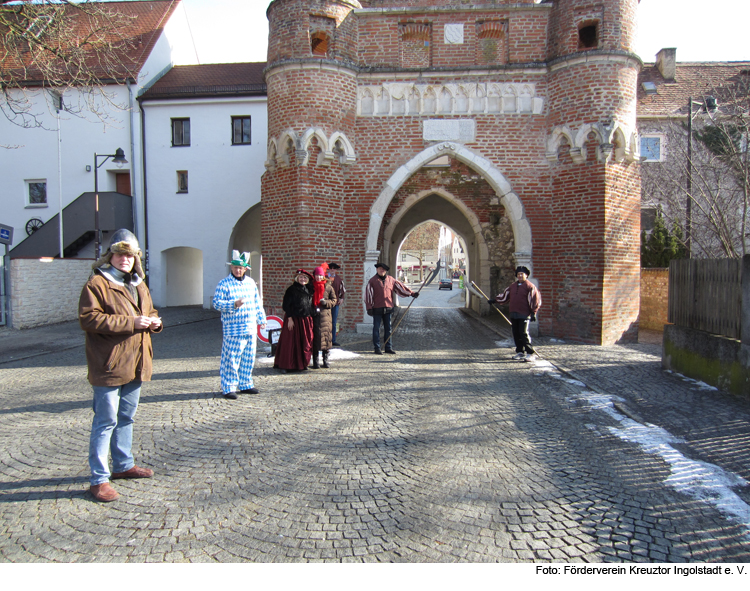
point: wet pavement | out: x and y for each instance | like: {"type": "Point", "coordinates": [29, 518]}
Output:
{"type": "Point", "coordinates": [446, 452]}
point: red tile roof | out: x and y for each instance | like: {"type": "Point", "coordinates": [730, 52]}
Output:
{"type": "Point", "coordinates": [696, 80]}
{"type": "Point", "coordinates": [142, 25]}
{"type": "Point", "coordinates": [243, 79]}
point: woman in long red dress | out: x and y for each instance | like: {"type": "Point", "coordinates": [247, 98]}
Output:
{"type": "Point", "coordinates": [294, 349]}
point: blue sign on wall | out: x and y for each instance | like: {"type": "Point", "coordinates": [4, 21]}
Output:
{"type": "Point", "coordinates": [6, 234]}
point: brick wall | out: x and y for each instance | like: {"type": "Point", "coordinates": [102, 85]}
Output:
{"type": "Point", "coordinates": [46, 291]}
{"type": "Point", "coordinates": [654, 298]}
{"type": "Point", "coordinates": [580, 205]}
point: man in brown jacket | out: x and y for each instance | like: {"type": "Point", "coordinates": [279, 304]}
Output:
{"type": "Point", "coordinates": [116, 312]}
{"type": "Point", "coordinates": [379, 304]}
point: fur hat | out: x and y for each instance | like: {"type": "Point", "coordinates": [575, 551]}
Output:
{"type": "Point", "coordinates": [123, 241]}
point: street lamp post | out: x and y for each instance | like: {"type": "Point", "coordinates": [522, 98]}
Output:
{"type": "Point", "coordinates": [689, 187]}
{"type": "Point", "coordinates": [118, 158]}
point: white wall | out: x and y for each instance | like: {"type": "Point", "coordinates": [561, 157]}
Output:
{"type": "Point", "coordinates": [39, 154]}
{"type": "Point", "coordinates": [223, 183]}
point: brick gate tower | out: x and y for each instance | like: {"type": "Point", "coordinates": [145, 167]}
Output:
{"type": "Point", "coordinates": [510, 121]}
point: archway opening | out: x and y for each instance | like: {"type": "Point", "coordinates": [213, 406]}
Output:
{"type": "Point", "coordinates": [246, 238]}
{"type": "Point", "coordinates": [184, 276]}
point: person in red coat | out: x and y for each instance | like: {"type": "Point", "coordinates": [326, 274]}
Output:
{"type": "Point", "coordinates": [524, 301]}
{"type": "Point", "coordinates": [379, 304]}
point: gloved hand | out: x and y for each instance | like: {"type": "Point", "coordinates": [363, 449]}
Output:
{"type": "Point", "coordinates": [490, 301]}
{"type": "Point", "coordinates": [533, 317]}
{"type": "Point", "coordinates": [415, 295]}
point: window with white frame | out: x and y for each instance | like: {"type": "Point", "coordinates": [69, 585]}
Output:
{"type": "Point", "coordinates": [652, 147]}
{"type": "Point", "coordinates": [36, 193]}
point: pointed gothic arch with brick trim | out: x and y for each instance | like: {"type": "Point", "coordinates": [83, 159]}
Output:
{"type": "Point", "coordinates": [511, 202]}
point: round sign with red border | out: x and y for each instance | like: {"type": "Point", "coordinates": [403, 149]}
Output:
{"type": "Point", "coordinates": [272, 322]}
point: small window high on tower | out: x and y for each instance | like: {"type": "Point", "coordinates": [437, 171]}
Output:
{"type": "Point", "coordinates": [588, 35]}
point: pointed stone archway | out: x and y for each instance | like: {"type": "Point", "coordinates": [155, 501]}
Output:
{"type": "Point", "coordinates": [466, 224]}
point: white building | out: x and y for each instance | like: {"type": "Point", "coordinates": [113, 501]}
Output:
{"type": "Point", "coordinates": [46, 168]}
{"type": "Point", "coordinates": [205, 130]}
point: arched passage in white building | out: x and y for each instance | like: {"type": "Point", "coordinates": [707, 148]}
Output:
{"type": "Point", "coordinates": [184, 276]}
{"type": "Point", "coordinates": [246, 238]}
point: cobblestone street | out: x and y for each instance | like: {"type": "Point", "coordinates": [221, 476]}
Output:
{"type": "Point", "coordinates": [445, 452]}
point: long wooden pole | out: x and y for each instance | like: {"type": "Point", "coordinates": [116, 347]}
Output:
{"type": "Point", "coordinates": [393, 331]}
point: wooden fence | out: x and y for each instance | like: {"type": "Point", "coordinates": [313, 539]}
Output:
{"type": "Point", "coordinates": [706, 294]}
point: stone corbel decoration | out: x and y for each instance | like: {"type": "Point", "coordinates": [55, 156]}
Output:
{"type": "Point", "coordinates": [633, 153]}
{"type": "Point", "coordinates": [605, 151]}
{"type": "Point", "coordinates": [287, 140]}
{"type": "Point", "coordinates": [342, 148]}
{"type": "Point", "coordinates": [610, 138]}
{"type": "Point", "coordinates": [338, 147]}
{"type": "Point", "coordinates": [271, 152]}
{"type": "Point", "coordinates": [559, 134]}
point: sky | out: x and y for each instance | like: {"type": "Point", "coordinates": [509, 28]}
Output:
{"type": "Point", "coordinates": [701, 30]}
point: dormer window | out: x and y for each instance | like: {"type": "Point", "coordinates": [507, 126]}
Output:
{"type": "Point", "coordinates": [649, 87]}
{"type": "Point", "coordinates": [588, 35]}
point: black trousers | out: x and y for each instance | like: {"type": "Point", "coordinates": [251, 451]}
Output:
{"type": "Point", "coordinates": [521, 334]}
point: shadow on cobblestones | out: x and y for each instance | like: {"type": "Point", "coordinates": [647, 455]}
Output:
{"type": "Point", "coordinates": [445, 452]}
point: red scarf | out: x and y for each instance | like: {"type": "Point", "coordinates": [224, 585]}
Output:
{"type": "Point", "coordinates": [320, 289]}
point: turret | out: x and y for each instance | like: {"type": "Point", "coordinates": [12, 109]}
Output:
{"type": "Point", "coordinates": [312, 92]}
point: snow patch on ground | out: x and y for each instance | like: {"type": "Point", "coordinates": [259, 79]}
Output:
{"type": "Point", "coordinates": [335, 355]}
{"type": "Point", "coordinates": [699, 480]}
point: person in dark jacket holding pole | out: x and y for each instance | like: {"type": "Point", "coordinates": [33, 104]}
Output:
{"type": "Point", "coordinates": [379, 304]}
{"type": "Point", "coordinates": [524, 301]}
{"type": "Point", "coordinates": [340, 291]}
{"type": "Point", "coordinates": [116, 312]}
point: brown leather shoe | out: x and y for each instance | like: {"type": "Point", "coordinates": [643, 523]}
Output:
{"type": "Point", "coordinates": [104, 492]}
{"type": "Point", "coordinates": [134, 472]}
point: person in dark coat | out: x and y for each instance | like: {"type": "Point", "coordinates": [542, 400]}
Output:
{"type": "Point", "coordinates": [294, 349]}
{"type": "Point", "coordinates": [325, 300]}
{"type": "Point", "coordinates": [379, 304]}
{"type": "Point", "coordinates": [524, 301]}
{"type": "Point", "coordinates": [340, 291]}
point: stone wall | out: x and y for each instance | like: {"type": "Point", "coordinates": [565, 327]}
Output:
{"type": "Point", "coordinates": [46, 291]}
{"type": "Point", "coordinates": [713, 359]}
{"type": "Point", "coordinates": [654, 298]}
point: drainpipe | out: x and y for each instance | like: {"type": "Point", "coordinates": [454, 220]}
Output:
{"type": "Point", "coordinates": [133, 168]}
{"type": "Point", "coordinates": [59, 182]}
{"type": "Point", "coordinates": [145, 191]}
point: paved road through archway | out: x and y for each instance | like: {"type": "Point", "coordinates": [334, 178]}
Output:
{"type": "Point", "coordinates": [447, 451]}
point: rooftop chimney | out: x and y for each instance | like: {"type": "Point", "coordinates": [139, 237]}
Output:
{"type": "Point", "coordinates": [666, 61]}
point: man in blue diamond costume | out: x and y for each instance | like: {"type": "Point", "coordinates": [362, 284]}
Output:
{"type": "Point", "coordinates": [238, 300]}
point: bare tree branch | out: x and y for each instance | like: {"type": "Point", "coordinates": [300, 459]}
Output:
{"type": "Point", "coordinates": [720, 169]}
{"type": "Point", "coordinates": [60, 45]}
